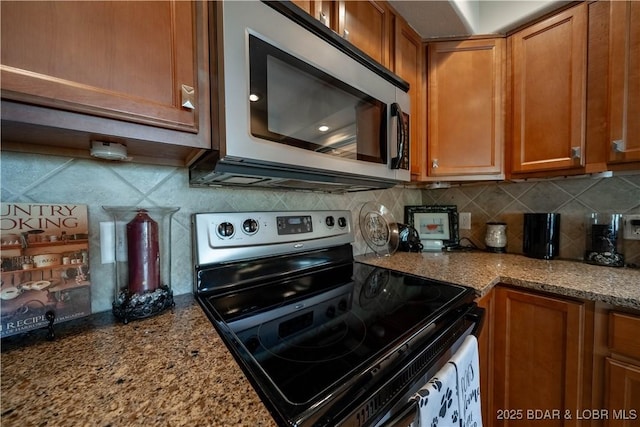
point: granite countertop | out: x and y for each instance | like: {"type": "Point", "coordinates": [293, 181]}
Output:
{"type": "Point", "coordinates": [173, 369]}
{"type": "Point", "coordinates": [169, 370]}
{"type": "Point", "coordinates": [483, 270]}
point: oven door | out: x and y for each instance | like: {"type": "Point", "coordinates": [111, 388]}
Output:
{"type": "Point", "coordinates": [292, 98]}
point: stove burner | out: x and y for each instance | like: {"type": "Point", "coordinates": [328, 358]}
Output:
{"type": "Point", "coordinates": [330, 341]}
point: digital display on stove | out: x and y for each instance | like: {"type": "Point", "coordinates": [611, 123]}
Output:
{"type": "Point", "coordinates": [294, 224]}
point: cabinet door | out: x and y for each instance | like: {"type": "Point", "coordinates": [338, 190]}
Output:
{"type": "Point", "coordinates": [366, 25]}
{"type": "Point", "coordinates": [321, 10]}
{"type": "Point", "coordinates": [465, 107]}
{"type": "Point", "coordinates": [133, 61]}
{"type": "Point", "coordinates": [622, 391]}
{"type": "Point", "coordinates": [624, 102]}
{"type": "Point", "coordinates": [485, 349]}
{"type": "Point", "coordinates": [539, 355]}
{"type": "Point", "coordinates": [408, 54]}
{"type": "Point", "coordinates": [548, 93]}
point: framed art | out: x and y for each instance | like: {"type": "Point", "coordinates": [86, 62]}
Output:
{"type": "Point", "coordinates": [435, 224]}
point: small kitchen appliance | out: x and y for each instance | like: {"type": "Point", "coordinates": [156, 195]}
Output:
{"type": "Point", "coordinates": [604, 240]}
{"type": "Point", "coordinates": [324, 340]}
{"type": "Point", "coordinates": [541, 235]}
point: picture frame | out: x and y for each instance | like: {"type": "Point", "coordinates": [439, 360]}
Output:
{"type": "Point", "coordinates": [434, 223]}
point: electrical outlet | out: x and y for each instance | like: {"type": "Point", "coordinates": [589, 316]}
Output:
{"type": "Point", "coordinates": [464, 220]}
{"type": "Point", "coordinates": [631, 227]}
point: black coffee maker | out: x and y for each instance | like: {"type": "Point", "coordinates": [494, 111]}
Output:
{"type": "Point", "coordinates": [541, 235]}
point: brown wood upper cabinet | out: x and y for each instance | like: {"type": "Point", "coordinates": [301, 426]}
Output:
{"type": "Point", "coordinates": [408, 59]}
{"type": "Point", "coordinates": [548, 66]}
{"type": "Point", "coordinates": [130, 72]}
{"type": "Point", "coordinates": [366, 25]}
{"type": "Point", "coordinates": [466, 81]}
{"type": "Point", "coordinates": [624, 68]}
{"type": "Point", "coordinates": [133, 61]}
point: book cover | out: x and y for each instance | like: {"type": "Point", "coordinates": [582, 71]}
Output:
{"type": "Point", "coordinates": [45, 265]}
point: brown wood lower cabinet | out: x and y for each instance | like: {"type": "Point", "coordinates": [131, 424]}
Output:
{"type": "Point", "coordinates": [542, 359]}
{"type": "Point", "coordinates": [621, 391]}
{"type": "Point", "coordinates": [622, 394]}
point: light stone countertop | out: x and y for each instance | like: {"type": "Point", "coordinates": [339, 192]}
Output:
{"type": "Point", "coordinates": [483, 270]}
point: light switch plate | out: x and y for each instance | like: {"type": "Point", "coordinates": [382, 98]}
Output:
{"type": "Point", "coordinates": [631, 227]}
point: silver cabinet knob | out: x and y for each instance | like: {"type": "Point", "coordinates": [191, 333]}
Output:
{"type": "Point", "coordinates": [576, 152]}
{"type": "Point", "coordinates": [434, 164]}
{"type": "Point", "coordinates": [188, 97]}
{"type": "Point", "coordinates": [618, 146]}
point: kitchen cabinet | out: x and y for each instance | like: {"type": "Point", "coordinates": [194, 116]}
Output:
{"type": "Point", "coordinates": [548, 96]}
{"type": "Point", "coordinates": [132, 72]}
{"type": "Point", "coordinates": [322, 10]}
{"type": "Point", "coordinates": [624, 80]}
{"type": "Point", "coordinates": [466, 81]}
{"type": "Point", "coordinates": [367, 25]}
{"type": "Point", "coordinates": [485, 350]}
{"type": "Point", "coordinates": [408, 60]}
{"type": "Point", "coordinates": [542, 356]}
{"type": "Point", "coordinates": [621, 389]}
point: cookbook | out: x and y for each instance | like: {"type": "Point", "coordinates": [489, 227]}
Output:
{"type": "Point", "coordinates": [45, 265]}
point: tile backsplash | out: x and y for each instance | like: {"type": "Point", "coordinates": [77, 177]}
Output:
{"type": "Point", "coordinates": [572, 198]}
{"type": "Point", "coordinates": [43, 179]}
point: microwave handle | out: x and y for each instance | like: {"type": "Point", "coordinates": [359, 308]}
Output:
{"type": "Point", "coordinates": [396, 162]}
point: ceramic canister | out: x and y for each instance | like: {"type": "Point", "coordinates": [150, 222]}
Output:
{"type": "Point", "coordinates": [496, 237]}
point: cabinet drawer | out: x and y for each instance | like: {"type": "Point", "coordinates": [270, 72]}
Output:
{"type": "Point", "coordinates": [623, 334]}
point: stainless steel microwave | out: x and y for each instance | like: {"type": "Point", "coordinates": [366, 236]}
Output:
{"type": "Point", "coordinates": [292, 107]}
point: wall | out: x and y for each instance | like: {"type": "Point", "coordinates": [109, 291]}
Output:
{"type": "Point", "coordinates": [573, 198]}
{"type": "Point", "coordinates": [44, 179]}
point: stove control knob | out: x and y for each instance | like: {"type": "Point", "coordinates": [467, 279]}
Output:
{"type": "Point", "coordinates": [250, 226]}
{"type": "Point", "coordinates": [342, 222]}
{"type": "Point", "coordinates": [330, 221]}
{"type": "Point", "coordinates": [225, 229]}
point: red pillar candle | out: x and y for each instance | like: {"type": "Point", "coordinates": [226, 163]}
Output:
{"type": "Point", "coordinates": [143, 253]}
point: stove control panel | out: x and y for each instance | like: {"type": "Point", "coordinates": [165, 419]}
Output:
{"type": "Point", "coordinates": [229, 236]}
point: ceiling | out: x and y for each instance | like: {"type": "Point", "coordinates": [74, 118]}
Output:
{"type": "Point", "coordinates": [455, 18]}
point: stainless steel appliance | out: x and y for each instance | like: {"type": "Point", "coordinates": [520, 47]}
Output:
{"type": "Point", "coordinates": [325, 341]}
{"type": "Point", "coordinates": [298, 107]}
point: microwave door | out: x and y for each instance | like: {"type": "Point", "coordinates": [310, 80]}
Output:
{"type": "Point", "coordinates": [297, 105]}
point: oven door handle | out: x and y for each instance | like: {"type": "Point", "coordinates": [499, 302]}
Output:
{"type": "Point", "coordinates": [407, 416]}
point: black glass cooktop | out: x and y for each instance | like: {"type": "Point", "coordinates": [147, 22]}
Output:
{"type": "Point", "coordinates": [306, 335]}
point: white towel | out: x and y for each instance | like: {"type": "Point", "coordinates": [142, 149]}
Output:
{"type": "Point", "coordinates": [438, 400]}
{"type": "Point", "coordinates": [467, 366]}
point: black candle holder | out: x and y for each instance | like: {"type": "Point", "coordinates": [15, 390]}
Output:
{"type": "Point", "coordinates": [129, 306]}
